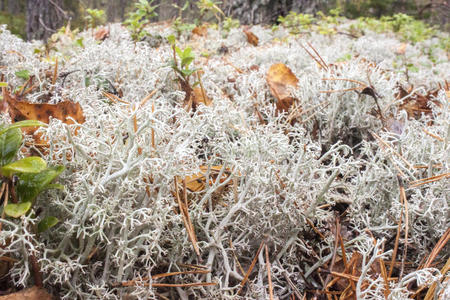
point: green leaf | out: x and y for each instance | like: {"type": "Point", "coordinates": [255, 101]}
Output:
{"type": "Point", "coordinates": [24, 74]}
{"type": "Point", "coordinates": [55, 186]}
{"type": "Point", "coordinates": [30, 185]}
{"type": "Point", "coordinates": [186, 61]}
{"type": "Point", "coordinates": [10, 143]}
{"type": "Point", "coordinates": [16, 210]}
{"type": "Point", "coordinates": [25, 123]}
{"type": "Point", "coordinates": [32, 164]}
{"type": "Point", "coordinates": [3, 84]}
{"type": "Point", "coordinates": [47, 223]}
{"type": "Point", "coordinates": [179, 52]}
{"type": "Point", "coordinates": [171, 39]}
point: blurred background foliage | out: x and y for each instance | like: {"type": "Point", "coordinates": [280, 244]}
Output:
{"type": "Point", "coordinates": [16, 13]}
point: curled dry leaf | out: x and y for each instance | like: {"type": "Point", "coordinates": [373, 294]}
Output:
{"type": "Point", "coordinates": [280, 78]}
{"type": "Point", "coordinates": [417, 104]}
{"type": "Point", "coordinates": [66, 111]}
{"type": "Point", "coordinates": [101, 34]}
{"type": "Point", "coordinates": [197, 182]}
{"type": "Point", "coordinates": [201, 30]}
{"type": "Point", "coordinates": [251, 37]}
{"type": "Point", "coordinates": [401, 49]}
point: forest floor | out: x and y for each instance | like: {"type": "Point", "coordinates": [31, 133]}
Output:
{"type": "Point", "coordinates": [296, 161]}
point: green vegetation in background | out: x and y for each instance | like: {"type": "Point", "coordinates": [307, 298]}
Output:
{"type": "Point", "coordinates": [139, 18]}
{"type": "Point", "coordinates": [16, 23]}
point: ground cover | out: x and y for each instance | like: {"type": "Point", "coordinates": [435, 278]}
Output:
{"type": "Point", "coordinates": [217, 162]}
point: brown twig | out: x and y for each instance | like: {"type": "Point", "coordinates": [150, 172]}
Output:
{"type": "Point", "coordinates": [236, 258]}
{"type": "Point", "coordinates": [269, 274]}
{"type": "Point", "coordinates": [186, 220]}
{"type": "Point", "coordinates": [404, 201]}
{"type": "Point", "coordinates": [397, 239]}
{"type": "Point", "coordinates": [428, 180]}
{"type": "Point", "coordinates": [250, 269]}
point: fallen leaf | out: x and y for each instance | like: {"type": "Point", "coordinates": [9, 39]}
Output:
{"type": "Point", "coordinates": [101, 34]}
{"type": "Point", "coordinates": [280, 78]}
{"type": "Point", "coordinates": [401, 49]}
{"type": "Point", "coordinates": [64, 111]}
{"type": "Point", "coordinates": [417, 104]}
{"type": "Point", "coordinates": [197, 182]}
{"type": "Point", "coordinates": [201, 30]}
{"type": "Point", "coordinates": [33, 293]}
{"type": "Point", "coordinates": [251, 37]}
{"type": "Point", "coordinates": [200, 97]}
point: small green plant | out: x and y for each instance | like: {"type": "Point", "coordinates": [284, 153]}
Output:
{"type": "Point", "coordinates": [209, 6]}
{"type": "Point", "coordinates": [296, 22]}
{"type": "Point", "coordinates": [95, 17]}
{"type": "Point", "coordinates": [230, 23]}
{"type": "Point", "coordinates": [408, 28]}
{"type": "Point", "coordinates": [186, 57]}
{"type": "Point", "coordinates": [180, 27]}
{"type": "Point", "coordinates": [138, 19]}
{"type": "Point", "coordinates": [26, 178]}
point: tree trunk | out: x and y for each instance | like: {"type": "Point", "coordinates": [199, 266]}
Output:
{"type": "Point", "coordinates": [44, 17]}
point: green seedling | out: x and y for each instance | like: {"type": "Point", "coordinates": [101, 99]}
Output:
{"type": "Point", "coordinates": [95, 17]}
{"type": "Point", "coordinates": [138, 19]}
{"type": "Point", "coordinates": [25, 178]}
{"type": "Point", "coordinates": [209, 6]}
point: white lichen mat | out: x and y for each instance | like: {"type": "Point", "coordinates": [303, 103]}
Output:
{"type": "Point", "coordinates": [253, 175]}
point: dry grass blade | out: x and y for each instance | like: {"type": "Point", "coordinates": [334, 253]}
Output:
{"type": "Point", "coordinates": [404, 201]}
{"type": "Point", "coordinates": [437, 248]}
{"type": "Point", "coordinates": [386, 291]}
{"type": "Point", "coordinates": [186, 219]}
{"type": "Point", "coordinates": [428, 180]}
{"type": "Point", "coordinates": [318, 55]}
{"type": "Point", "coordinates": [55, 72]}
{"type": "Point", "coordinates": [319, 61]}
{"type": "Point", "coordinates": [269, 274]}
{"type": "Point", "coordinates": [148, 97]}
{"type": "Point", "coordinates": [180, 284]}
{"type": "Point", "coordinates": [114, 98]}
{"type": "Point", "coordinates": [397, 239]}
{"type": "Point", "coordinates": [386, 145]}
{"type": "Point", "coordinates": [236, 258]}
{"type": "Point", "coordinates": [433, 135]}
{"type": "Point", "coordinates": [250, 269]}
{"type": "Point", "coordinates": [431, 291]}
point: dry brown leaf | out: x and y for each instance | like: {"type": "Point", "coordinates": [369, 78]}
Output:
{"type": "Point", "coordinates": [201, 30]}
{"type": "Point", "coordinates": [251, 37]}
{"type": "Point", "coordinates": [197, 182]}
{"type": "Point", "coordinates": [401, 49]}
{"type": "Point", "coordinates": [280, 78]}
{"type": "Point", "coordinates": [416, 104]}
{"type": "Point", "coordinates": [33, 293]}
{"type": "Point", "coordinates": [200, 97]}
{"type": "Point", "coordinates": [64, 111]}
{"type": "Point", "coordinates": [101, 34]}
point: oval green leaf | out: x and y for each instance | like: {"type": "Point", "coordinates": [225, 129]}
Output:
{"type": "Point", "coordinates": [46, 223]}
{"type": "Point", "coordinates": [32, 164]}
{"type": "Point", "coordinates": [25, 123]}
{"type": "Point", "coordinates": [24, 74]}
{"type": "Point", "coordinates": [30, 185]}
{"type": "Point", "coordinates": [16, 210]}
{"type": "Point", "coordinates": [10, 143]}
